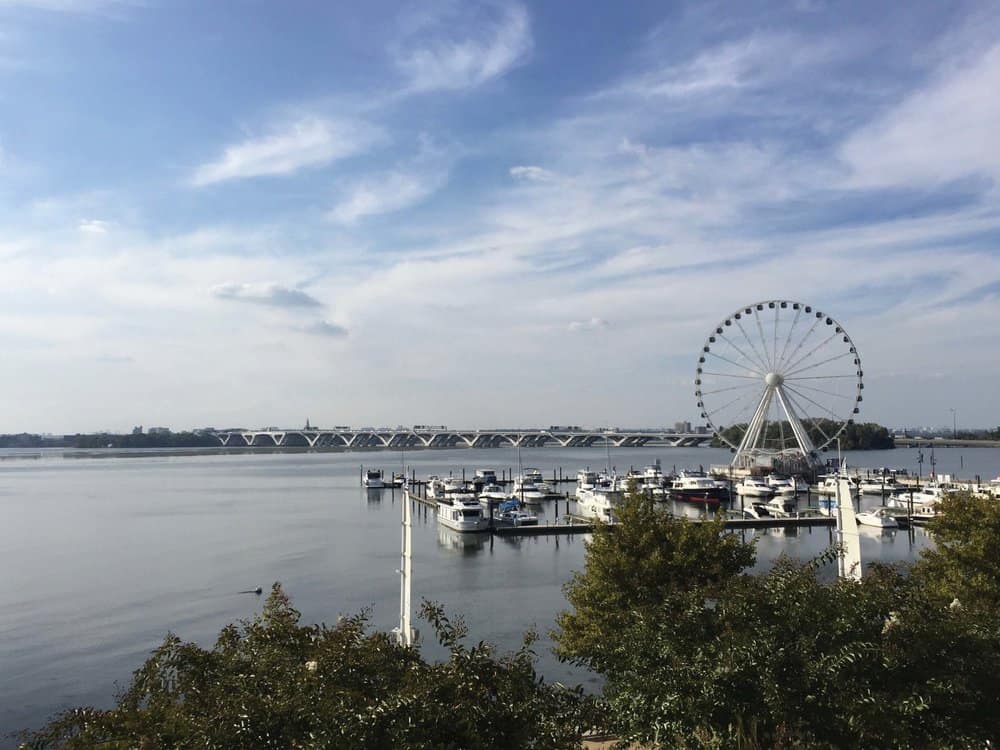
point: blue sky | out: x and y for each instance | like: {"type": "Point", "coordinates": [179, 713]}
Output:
{"type": "Point", "coordinates": [253, 213]}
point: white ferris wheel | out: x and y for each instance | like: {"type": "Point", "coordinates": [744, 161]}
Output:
{"type": "Point", "coordinates": [778, 379]}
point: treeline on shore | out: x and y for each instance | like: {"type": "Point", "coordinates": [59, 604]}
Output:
{"type": "Point", "coordinates": [855, 437]}
{"type": "Point", "coordinates": [111, 440]}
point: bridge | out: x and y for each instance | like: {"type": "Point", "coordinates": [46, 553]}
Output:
{"type": "Point", "coordinates": [443, 438]}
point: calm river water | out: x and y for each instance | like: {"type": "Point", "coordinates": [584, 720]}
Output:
{"type": "Point", "coordinates": [101, 556]}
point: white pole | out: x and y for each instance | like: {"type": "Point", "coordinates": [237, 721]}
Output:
{"type": "Point", "coordinates": [405, 632]}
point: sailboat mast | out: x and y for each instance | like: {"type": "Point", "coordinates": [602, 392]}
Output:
{"type": "Point", "coordinates": [405, 631]}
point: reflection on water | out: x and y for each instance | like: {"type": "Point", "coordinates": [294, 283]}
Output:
{"type": "Point", "coordinates": [468, 543]}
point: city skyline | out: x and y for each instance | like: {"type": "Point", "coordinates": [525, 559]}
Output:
{"type": "Point", "coordinates": [485, 214]}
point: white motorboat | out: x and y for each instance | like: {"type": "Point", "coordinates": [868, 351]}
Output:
{"type": "Point", "coordinates": [778, 507]}
{"type": "Point", "coordinates": [600, 501]}
{"type": "Point", "coordinates": [879, 517]}
{"type": "Point", "coordinates": [373, 479]}
{"type": "Point", "coordinates": [755, 487]}
{"type": "Point", "coordinates": [494, 493]}
{"type": "Point", "coordinates": [513, 513]}
{"type": "Point", "coordinates": [462, 513]}
{"type": "Point", "coordinates": [586, 480]}
{"type": "Point", "coordinates": [697, 487]}
{"type": "Point", "coordinates": [783, 485]}
{"type": "Point", "coordinates": [880, 486]}
{"type": "Point", "coordinates": [533, 475]}
{"type": "Point", "coordinates": [457, 489]}
{"type": "Point", "coordinates": [485, 476]}
{"type": "Point", "coordinates": [828, 484]}
{"type": "Point", "coordinates": [528, 491]}
{"type": "Point", "coordinates": [923, 498]}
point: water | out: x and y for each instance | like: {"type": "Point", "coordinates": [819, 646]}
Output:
{"type": "Point", "coordinates": [101, 556]}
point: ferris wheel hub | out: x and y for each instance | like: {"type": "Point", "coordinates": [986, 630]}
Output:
{"type": "Point", "coordinates": [774, 379]}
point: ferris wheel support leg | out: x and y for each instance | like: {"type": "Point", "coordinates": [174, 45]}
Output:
{"type": "Point", "coordinates": [752, 435]}
{"type": "Point", "coordinates": [801, 436]}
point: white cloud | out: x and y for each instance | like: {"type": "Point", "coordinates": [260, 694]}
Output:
{"type": "Point", "coordinates": [384, 193]}
{"type": "Point", "coordinates": [307, 142]}
{"type": "Point", "coordinates": [268, 293]}
{"type": "Point", "coordinates": [756, 60]}
{"type": "Point", "coordinates": [531, 173]}
{"type": "Point", "coordinates": [463, 49]}
{"type": "Point", "coordinates": [593, 324]}
{"type": "Point", "coordinates": [946, 131]}
{"type": "Point", "coordinates": [93, 226]}
{"type": "Point", "coordinates": [326, 328]}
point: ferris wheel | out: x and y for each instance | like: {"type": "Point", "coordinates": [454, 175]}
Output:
{"type": "Point", "coordinates": [778, 378]}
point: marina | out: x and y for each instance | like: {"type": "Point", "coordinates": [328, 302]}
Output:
{"type": "Point", "coordinates": [133, 546]}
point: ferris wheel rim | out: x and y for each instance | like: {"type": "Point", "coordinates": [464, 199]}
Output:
{"type": "Point", "coordinates": [775, 369]}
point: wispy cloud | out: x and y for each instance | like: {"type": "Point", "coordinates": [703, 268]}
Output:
{"type": "Point", "coordinates": [943, 132]}
{"type": "Point", "coordinates": [756, 60]}
{"type": "Point", "coordinates": [393, 190]}
{"type": "Point", "coordinates": [593, 324]}
{"type": "Point", "coordinates": [93, 226]}
{"type": "Point", "coordinates": [325, 328]}
{"type": "Point", "coordinates": [531, 173]}
{"type": "Point", "coordinates": [463, 47]}
{"type": "Point", "coordinates": [271, 294]}
{"type": "Point", "coordinates": [307, 142]}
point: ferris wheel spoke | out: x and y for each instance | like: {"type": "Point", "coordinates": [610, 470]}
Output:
{"type": "Point", "coordinates": [763, 341]}
{"type": "Point", "coordinates": [822, 377]}
{"type": "Point", "coordinates": [781, 431]}
{"type": "Point", "coordinates": [740, 351]}
{"type": "Point", "coordinates": [815, 403]}
{"type": "Point", "coordinates": [753, 347]}
{"type": "Point", "coordinates": [822, 362]}
{"type": "Point", "coordinates": [801, 343]}
{"type": "Point", "coordinates": [774, 347]}
{"type": "Point", "coordinates": [730, 388]}
{"type": "Point", "coordinates": [805, 357]}
{"type": "Point", "coordinates": [730, 375]}
{"type": "Point", "coordinates": [828, 393]}
{"type": "Point", "coordinates": [805, 414]}
{"type": "Point", "coordinates": [741, 397]}
{"type": "Point", "coordinates": [788, 338]}
{"type": "Point", "coordinates": [736, 364]}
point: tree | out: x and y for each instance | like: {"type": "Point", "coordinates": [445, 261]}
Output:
{"type": "Point", "coordinates": [632, 566]}
{"type": "Point", "coordinates": [713, 657]}
{"type": "Point", "coordinates": [272, 683]}
{"type": "Point", "coordinates": [963, 562]}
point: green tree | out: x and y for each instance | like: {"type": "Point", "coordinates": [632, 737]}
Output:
{"type": "Point", "coordinates": [696, 653]}
{"type": "Point", "coordinates": [632, 566]}
{"type": "Point", "coordinates": [273, 683]}
{"type": "Point", "coordinates": [964, 561]}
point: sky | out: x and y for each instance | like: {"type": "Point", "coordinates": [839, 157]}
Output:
{"type": "Point", "coordinates": [499, 214]}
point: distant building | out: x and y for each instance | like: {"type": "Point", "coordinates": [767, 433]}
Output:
{"type": "Point", "coordinates": [682, 427]}
{"type": "Point", "coordinates": [159, 430]}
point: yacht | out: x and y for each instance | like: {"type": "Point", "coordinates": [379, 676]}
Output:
{"type": "Point", "coordinates": [533, 475]}
{"type": "Point", "coordinates": [494, 493]}
{"type": "Point", "coordinates": [457, 489]}
{"type": "Point", "coordinates": [828, 484]}
{"type": "Point", "coordinates": [755, 487]}
{"type": "Point", "coordinates": [785, 485]}
{"type": "Point", "coordinates": [484, 476]}
{"type": "Point", "coordinates": [600, 501]}
{"type": "Point", "coordinates": [461, 514]}
{"type": "Point", "coordinates": [585, 480]}
{"type": "Point", "coordinates": [697, 487]}
{"type": "Point", "coordinates": [880, 486]}
{"type": "Point", "coordinates": [513, 512]}
{"type": "Point", "coordinates": [373, 479]}
{"type": "Point", "coordinates": [526, 490]}
{"type": "Point", "coordinates": [922, 498]}
{"type": "Point", "coordinates": [879, 517]}
{"type": "Point", "coordinates": [778, 507]}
